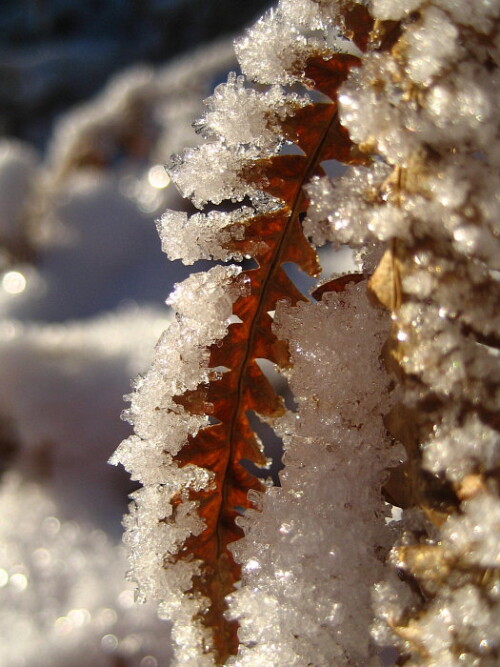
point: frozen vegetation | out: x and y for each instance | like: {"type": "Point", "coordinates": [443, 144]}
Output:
{"type": "Point", "coordinates": [396, 401]}
{"type": "Point", "coordinates": [382, 540]}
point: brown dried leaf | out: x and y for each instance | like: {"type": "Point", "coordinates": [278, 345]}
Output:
{"type": "Point", "coordinates": [272, 239]}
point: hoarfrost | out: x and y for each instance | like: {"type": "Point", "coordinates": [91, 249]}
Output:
{"type": "Point", "coordinates": [302, 599]}
{"type": "Point", "coordinates": [273, 51]}
{"type": "Point", "coordinates": [212, 172]}
{"type": "Point", "coordinates": [203, 235]}
{"type": "Point", "coordinates": [343, 210]}
{"type": "Point", "coordinates": [427, 108]}
{"type": "Point", "coordinates": [154, 530]}
{"type": "Point", "coordinates": [431, 46]}
{"type": "Point", "coordinates": [239, 114]}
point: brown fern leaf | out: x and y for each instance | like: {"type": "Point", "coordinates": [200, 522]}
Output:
{"type": "Point", "coordinates": [272, 238]}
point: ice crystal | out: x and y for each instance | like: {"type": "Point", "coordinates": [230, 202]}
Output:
{"type": "Point", "coordinates": [266, 52]}
{"type": "Point", "coordinates": [211, 173]}
{"type": "Point", "coordinates": [201, 236]}
{"type": "Point", "coordinates": [426, 108]}
{"type": "Point", "coordinates": [239, 114]}
{"type": "Point", "coordinates": [343, 210]}
{"type": "Point", "coordinates": [155, 528]}
{"type": "Point", "coordinates": [301, 600]}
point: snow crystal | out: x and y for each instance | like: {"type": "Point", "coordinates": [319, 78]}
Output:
{"type": "Point", "coordinates": [202, 236]}
{"type": "Point", "coordinates": [212, 172]}
{"type": "Point", "coordinates": [463, 616]}
{"type": "Point", "coordinates": [241, 115]}
{"type": "Point", "coordinates": [312, 553]}
{"type": "Point", "coordinates": [477, 14]}
{"type": "Point", "coordinates": [273, 51]}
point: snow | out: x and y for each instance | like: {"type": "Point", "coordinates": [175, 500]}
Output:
{"type": "Point", "coordinates": [18, 163]}
{"type": "Point", "coordinates": [62, 395]}
{"type": "Point", "coordinates": [301, 599]}
{"type": "Point", "coordinates": [63, 595]}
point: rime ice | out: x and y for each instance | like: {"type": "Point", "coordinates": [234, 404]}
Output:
{"type": "Point", "coordinates": [302, 600]}
{"type": "Point", "coordinates": [154, 529]}
{"type": "Point", "coordinates": [426, 109]}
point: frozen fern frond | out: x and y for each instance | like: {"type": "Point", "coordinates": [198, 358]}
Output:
{"type": "Point", "coordinates": [404, 94]}
{"type": "Point", "coordinates": [271, 236]}
{"type": "Point", "coordinates": [186, 515]}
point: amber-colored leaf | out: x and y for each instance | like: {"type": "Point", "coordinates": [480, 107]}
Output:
{"type": "Point", "coordinates": [272, 239]}
{"type": "Point", "coordinates": [358, 24]}
{"type": "Point", "coordinates": [385, 283]}
{"type": "Point", "coordinates": [337, 284]}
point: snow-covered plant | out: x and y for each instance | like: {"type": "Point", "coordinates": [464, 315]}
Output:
{"type": "Point", "coordinates": [404, 93]}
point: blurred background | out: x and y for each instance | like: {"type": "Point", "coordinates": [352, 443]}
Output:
{"type": "Point", "coordinates": [94, 97]}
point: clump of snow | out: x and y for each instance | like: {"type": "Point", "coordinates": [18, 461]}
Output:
{"type": "Point", "coordinates": [302, 600]}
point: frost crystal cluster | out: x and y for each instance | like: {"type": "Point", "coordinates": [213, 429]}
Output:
{"type": "Point", "coordinates": [405, 93]}
{"type": "Point", "coordinates": [302, 601]}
